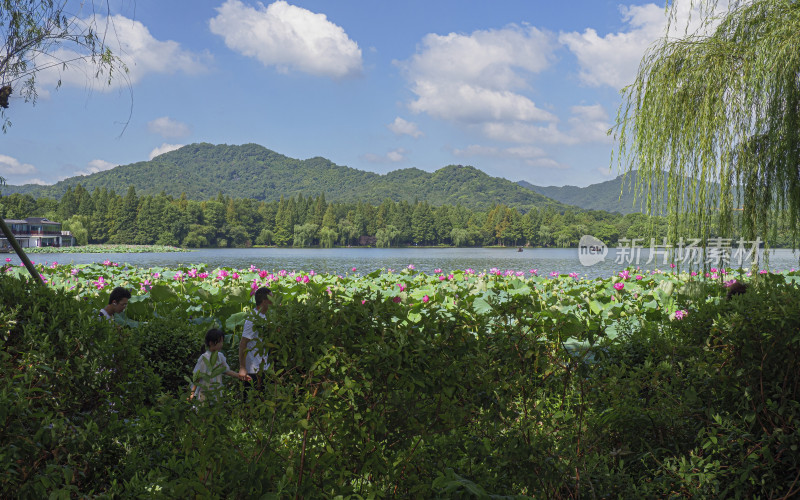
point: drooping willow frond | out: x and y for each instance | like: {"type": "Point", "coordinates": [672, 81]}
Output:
{"type": "Point", "coordinates": [719, 114]}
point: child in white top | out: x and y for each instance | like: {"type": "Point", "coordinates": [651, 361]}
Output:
{"type": "Point", "coordinates": [207, 373]}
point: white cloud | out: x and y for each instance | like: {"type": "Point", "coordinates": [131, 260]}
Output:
{"type": "Point", "coordinates": [587, 124]}
{"type": "Point", "coordinates": [471, 79]}
{"type": "Point", "coordinates": [590, 124]}
{"type": "Point", "coordinates": [523, 133]}
{"type": "Point", "coordinates": [614, 58]}
{"type": "Point", "coordinates": [403, 127]}
{"type": "Point", "coordinates": [33, 181]}
{"type": "Point", "coordinates": [520, 152]}
{"type": "Point", "coordinates": [527, 155]}
{"type": "Point", "coordinates": [95, 166]}
{"type": "Point", "coordinates": [164, 148]}
{"type": "Point", "coordinates": [132, 42]}
{"type": "Point", "coordinates": [167, 127]}
{"type": "Point", "coordinates": [606, 172]}
{"type": "Point", "coordinates": [547, 163]}
{"type": "Point", "coordinates": [289, 38]}
{"type": "Point", "coordinates": [394, 156]}
{"type": "Point", "coordinates": [12, 166]}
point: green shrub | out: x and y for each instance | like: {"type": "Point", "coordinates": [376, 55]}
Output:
{"type": "Point", "coordinates": [67, 379]}
{"type": "Point", "coordinates": [170, 346]}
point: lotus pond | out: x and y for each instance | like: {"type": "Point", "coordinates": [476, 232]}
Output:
{"type": "Point", "coordinates": [584, 308]}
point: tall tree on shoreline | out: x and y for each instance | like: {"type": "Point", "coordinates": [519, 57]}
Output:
{"type": "Point", "coordinates": [719, 111]}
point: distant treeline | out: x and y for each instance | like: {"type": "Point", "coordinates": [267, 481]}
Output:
{"type": "Point", "coordinates": [103, 216]}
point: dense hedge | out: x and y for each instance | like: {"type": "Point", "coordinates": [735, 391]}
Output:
{"type": "Point", "coordinates": [360, 404]}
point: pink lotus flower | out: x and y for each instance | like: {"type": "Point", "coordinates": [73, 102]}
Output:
{"type": "Point", "coordinates": [397, 300]}
{"type": "Point", "coordinates": [442, 278]}
{"type": "Point", "coordinates": [282, 273]}
{"type": "Point", "coordinates": [353, 269]}
{"type": "Point", "coordinates": [401, 286]}
{"type": "Point", "coordinates": [53, 265]}
{"type": "Point", "coordinates": [672, 265]}
{"type": "Point", "coordinates": [639, 277]}
{"type": "Point", "coordinates": [450, 276]}
{"type": "Point", "coordinates": [145, 286]}
{"type": "Point", "coordinates": [363, 302]}
{"type": "Point", "coordinates": [554, 274]}
{"type": "Point", "coordinates": [693, 273]}
{"type": "Point", "coordinates": [437, 271]}
{"type": "Point", "coordinates": [106, 262]}
{"type": "Point", "coordinates": [763, 271]}
{"type": "Point", "coordinates": [178, 276]}
{"type": "Point", "coordinates": [625, 274]}
{"type": "Point", "coordinates": [262, 274]}
{"type": "Point", "coordinates": [534, 272]}
{"type": "Point", "coordinates": [619, 286]}
{"type": "Point", "coordinates": [680, 314]}
{"type": "Point", "coordinates": [74, 271]}
{"type": "Point", "coordinates": [235, 276]}
{"type": "Point", "coordinates": [469, 271]}
{"type": "Point", "coordinates": [305, 279]}
{"type": "Point", "coordinates": [425, 299]}
{"type": "Point", "coordinates": [411, 266]}
{"type": "Point", "coordinates": [192, 273]}
{"type": "Point", "coordinates": [8, 259]}
{"type": "Point", "coordinates": [202, 276]}
{"type": "Point", "coordinates": [573, 275]}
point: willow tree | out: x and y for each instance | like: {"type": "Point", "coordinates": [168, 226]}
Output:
{"type": "Point", "coordinates": [711, 123]}
{"type": "Point", "coordinates": [39, 35]}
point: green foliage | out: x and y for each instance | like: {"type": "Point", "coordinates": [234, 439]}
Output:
{"type": "Point", "coordinates": [171, 345]}
{"type": "Point", "coordinates": [67, 380]}
{"type": "Point", "coordinates": [717, 110]}
{"type": "Point", "coordinates": [404, 385]}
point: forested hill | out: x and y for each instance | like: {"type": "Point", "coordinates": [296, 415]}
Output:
{"type": "Point", "coordinates": [601, 196]}
{"type": "Point", "coordinates": [252, 171]}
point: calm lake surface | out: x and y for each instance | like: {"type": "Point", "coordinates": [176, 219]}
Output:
{"type": "Point", "coordinates": [365, 260]}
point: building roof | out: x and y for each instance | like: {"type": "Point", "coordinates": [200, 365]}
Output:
{"type": "Point", "coordinates": [15, 221]}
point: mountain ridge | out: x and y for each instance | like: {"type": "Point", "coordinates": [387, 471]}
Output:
{"type": "Point", "coordinates": [203, 170]}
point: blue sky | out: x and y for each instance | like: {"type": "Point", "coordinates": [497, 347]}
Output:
{"type": "Point", "coordinates": [522, 89]}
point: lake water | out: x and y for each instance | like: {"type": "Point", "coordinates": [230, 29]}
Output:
{"type": "Point", "coordinates": [365, 260]}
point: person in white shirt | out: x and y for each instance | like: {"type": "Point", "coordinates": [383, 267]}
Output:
{"type": "Point", "coordinates": [117, 302]}
{"type": "Point", "coordinates": [208, 371]}
{"type": "Point", "coordinates": [252, 358]}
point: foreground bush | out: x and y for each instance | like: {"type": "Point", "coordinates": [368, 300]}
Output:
{"type": "Point", "coordinates": [370, 396]}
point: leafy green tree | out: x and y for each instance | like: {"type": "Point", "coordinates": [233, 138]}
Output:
{"type": "Point", "coordinates": [68, 205]}
{"type": "Point", "coordinates": [18, 206]}
{"type": "Point", "coordinates": [284, 228]}
{"type": "Point", "coordinates": [265, 237]}
{"type": "Point", "coordinates": [304, 235]}
{"type": "Point", "coordinates": [327, 237]}
{"type": "Point", "coordinates": [122, 215]}
{"type": "Point", "coordinates": [719, 111]}
{"type": "Point", "coordinates": [78, 225]}
{"type": "Point", "coordinates": [422, 226]}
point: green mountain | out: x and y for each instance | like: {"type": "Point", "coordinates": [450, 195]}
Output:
{"type": "Point", "coordinates": [252, 171]}
{"type": "Point", "coordinates": [611, 196]}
